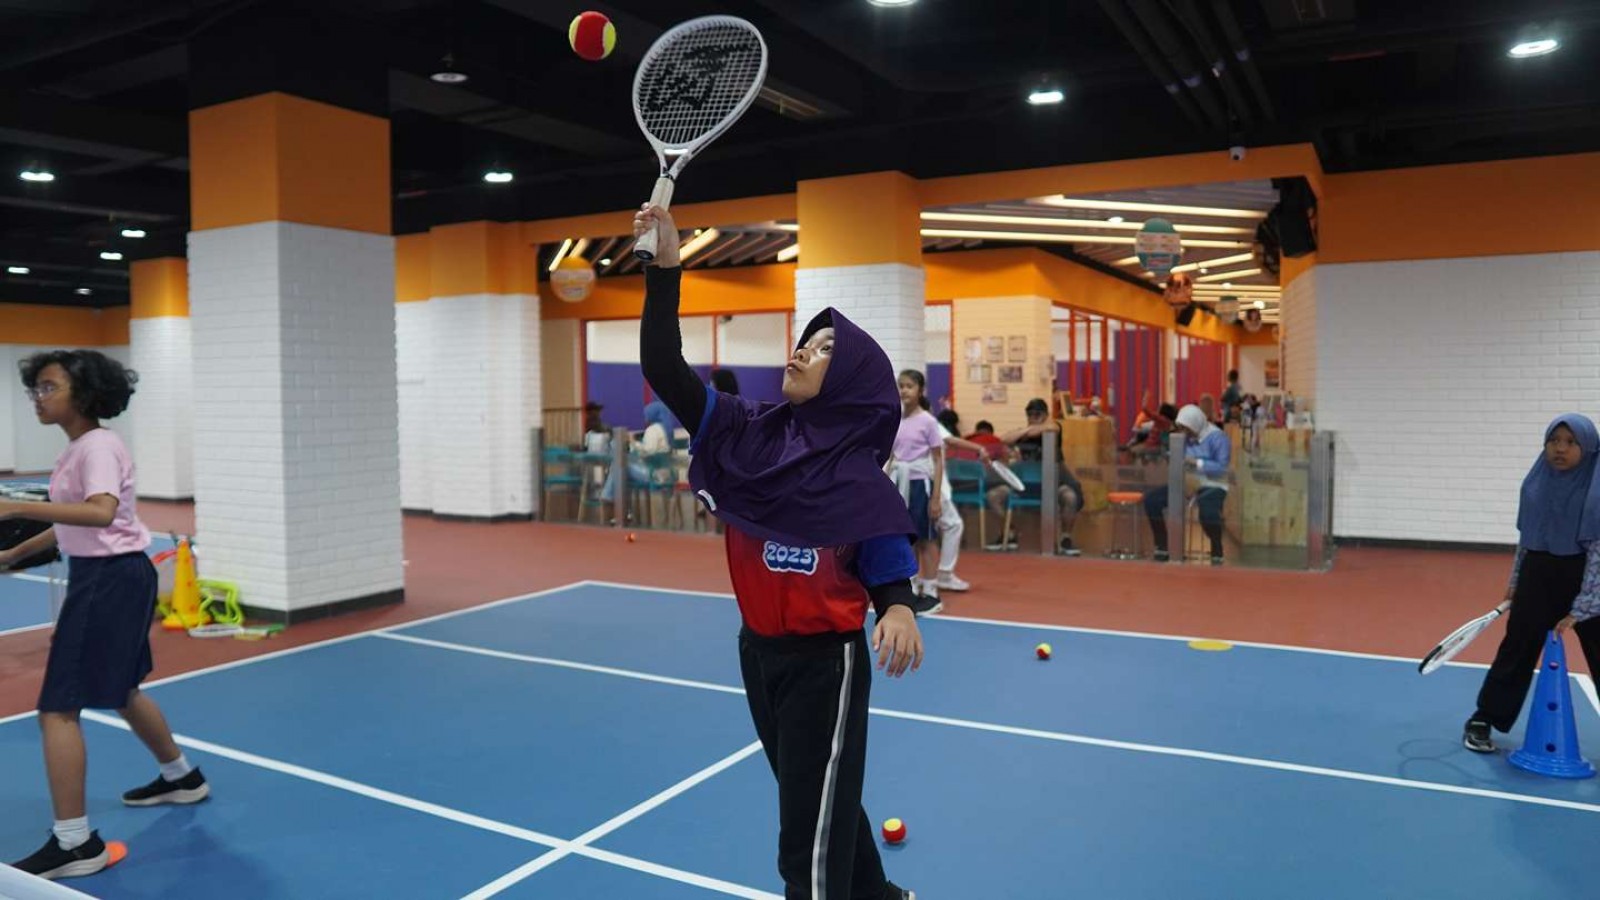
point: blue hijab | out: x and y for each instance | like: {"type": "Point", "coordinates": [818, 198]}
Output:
{"type": "Point", "coordinates": [812, 475]}
{"type": "Point", "coordinates": [656, 413]}
{"type": "Point", "coordinates": [1560, 511]}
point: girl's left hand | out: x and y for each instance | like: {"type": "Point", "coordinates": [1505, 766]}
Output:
{"type": "Point", "coordinates": [1564, 624]}
{"type": "Point", "coordinates": [934, 508]}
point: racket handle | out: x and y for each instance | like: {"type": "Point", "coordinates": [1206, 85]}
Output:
{"type": "Point", "coordinates": [645, 247]}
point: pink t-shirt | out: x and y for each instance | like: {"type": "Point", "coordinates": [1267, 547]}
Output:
{"type": "Point", "coordinates": [915, 442]}
{"type": "Point", "coordinates": [98, 463]}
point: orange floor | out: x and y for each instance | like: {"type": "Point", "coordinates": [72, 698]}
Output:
{"type": "Point", "coordinates": [1376, 601]}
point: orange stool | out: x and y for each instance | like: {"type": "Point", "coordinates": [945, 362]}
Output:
{"type": "Point", "coordinates": [1124, 506]}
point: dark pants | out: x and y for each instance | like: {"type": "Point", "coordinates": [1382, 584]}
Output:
{"type": "Point", "coordinates": [1546, 587]}
{"type": "Point", "coordinates": [1210, 501]}
{"type": "Point", "coordinates": [808, 698]}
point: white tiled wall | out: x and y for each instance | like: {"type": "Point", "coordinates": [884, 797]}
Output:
{"type": "Point", "coordinates": [162, 416]}
{"type": "Point", "coordinates": [296, 445]}
{"type": "Point", "coordinates": [27, 446]}
{"type": "Point", "coordinates": [413, 356]}
{"type": "Point", "coordinates": [1299, 347]}
{"type": "Point", "coordinates": [483, 397]}
{"type": "Point", "coordinates": [887, 300]}
{"type": "Point", "coordinates": [1439, 377]}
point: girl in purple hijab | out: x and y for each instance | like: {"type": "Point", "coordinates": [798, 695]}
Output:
{"type": "Point", "coordinates": [815, 533]}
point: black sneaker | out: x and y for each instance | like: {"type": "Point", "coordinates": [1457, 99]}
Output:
{"type": "Point", "coordinates": [1476, 736]}
{"type": "Point", "coordinates": [893, 891]}
{"type": "Point", "coordinates": [1216, 560]}
{"type": "Point", "coordinates": [52, 862]}
{"type": "Point", "coordinates": [927, 605]}
{"type": "Point", "coordinates": [1065, 548]}
{"type": "Point", "coordinates": [1161, 556]}
{"type": "Point", "coordinates": [1009, 542]}
{"type": "Point", "coordinates": [191, 788]}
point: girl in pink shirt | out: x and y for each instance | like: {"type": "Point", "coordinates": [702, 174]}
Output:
{"type": "Point", "coordinates": [918, 466]}
{"type": "Point", "coordinates": [100, 651]}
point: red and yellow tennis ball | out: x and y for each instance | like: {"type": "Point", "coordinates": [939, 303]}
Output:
{"type": "Point", "coordinates": [1042, 651]}
{"type": "Point", "coordinates": [894, 831]}
{"type": "Point", "coordinates": [592, 36]}
{"type": "Point", "coordinates": [632, 537]}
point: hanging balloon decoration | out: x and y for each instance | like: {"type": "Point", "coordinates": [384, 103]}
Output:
{"type": "Point", "coordinates": [1158, 247]}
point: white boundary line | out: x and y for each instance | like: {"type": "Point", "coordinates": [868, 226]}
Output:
{"type": "Point", "coordinates": [610, 825]}
{"type": "Point", "coordinates": [558, 848]}
{"type": "Point", "coordinates": [44, 579]}
{"type": "Point", "coordinates": [24, 629]}
{"type": "Point", "coordinates": [1064, 737]}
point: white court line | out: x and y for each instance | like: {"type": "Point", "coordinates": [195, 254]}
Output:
{"type": "Point", "coordinates": [610, 825]}
{"type": "Point", "coordinates": [1078, 629]}
{"type": "Point", "coordinates": [26, 628]}
{"type": "Point", "coordinates": [557, 845]}
{"type": "Point", "coordinates": [45, 579]}
{"type": "Point", "coordinates": [1064, 737]}
{"type": "Point", "coordinates": [1586, 684]}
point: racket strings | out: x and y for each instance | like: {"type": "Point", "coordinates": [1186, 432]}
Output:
{"type": "Point", "coordinates": [697, 81]}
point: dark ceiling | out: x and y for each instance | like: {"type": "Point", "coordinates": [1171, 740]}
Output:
{"type": "Point", "coordinates": [97, 92]}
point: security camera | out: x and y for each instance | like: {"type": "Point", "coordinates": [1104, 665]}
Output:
{"type": "Point", "coordinates": [1236, 153]}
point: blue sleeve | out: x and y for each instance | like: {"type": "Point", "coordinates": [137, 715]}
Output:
{"type": "Point", "coordinates": [885, 559]}
{"type": "Point", "coordinates": [1215, 453]}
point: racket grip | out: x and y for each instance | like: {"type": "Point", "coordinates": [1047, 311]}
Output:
{"type": "Point", "coordinates": [645, 247]}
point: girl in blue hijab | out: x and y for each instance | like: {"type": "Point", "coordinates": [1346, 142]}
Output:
{"type": "Point", "coordinates": [1555, 583]}
{"type": "Point", "coordinates": [816, 532]}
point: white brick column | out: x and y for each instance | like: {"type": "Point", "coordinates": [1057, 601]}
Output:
{"type": "Point", "coordinates": [414, 359]}
{"type": "Point", "coordinates": [296, 447]}
{"type": "Point", "coordinates": [483, 400]}
{"type": "Point", "coordinates": [162, 438]}
{"type": "Point", "coordinates": [887, 300]}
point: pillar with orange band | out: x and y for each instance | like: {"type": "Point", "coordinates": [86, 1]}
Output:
{"type": "Point", "coordinates": [291, 293]}
{"type": "Point", "coordinates": [160, 351]}
{"type": "Point", "coordinates": [861, 252]}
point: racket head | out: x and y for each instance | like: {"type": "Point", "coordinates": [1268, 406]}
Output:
{"type": "Point", "coordinates": [695, 81]}
{"type": "Point", "coordinates": [1455, 642]}
{"type": "Point", "coordinates": [1008, 476]}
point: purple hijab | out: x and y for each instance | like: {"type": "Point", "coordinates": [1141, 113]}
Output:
{"type": "Point", "coordinates": [810, 475]}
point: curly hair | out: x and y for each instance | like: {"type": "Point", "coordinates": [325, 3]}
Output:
{"type": "Point", "coordinates": [101, 386]}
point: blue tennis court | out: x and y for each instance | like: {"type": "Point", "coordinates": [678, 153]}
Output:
{"type": "Point", "coordinates": [593, 742]}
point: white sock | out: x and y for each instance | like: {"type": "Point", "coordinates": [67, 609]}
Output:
{"type": "Point", "coordinates": [72, 833]}
{"type": "Point", "coordinates": [175, 770]}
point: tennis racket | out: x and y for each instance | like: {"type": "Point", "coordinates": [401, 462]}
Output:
{"type": "Point", "coordinates": [693, 84]}
{"type": "Point", "coordinates": [1006, 475]}
{"type": "Point", "coordinates": [1459, 639]}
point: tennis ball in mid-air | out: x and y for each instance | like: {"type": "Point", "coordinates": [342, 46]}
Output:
{"type": "Point", "coordinates": [592, 36]}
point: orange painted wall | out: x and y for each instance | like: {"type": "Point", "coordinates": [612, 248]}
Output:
{"type": "Point", "coordinates": [748, 289]}
{"type": "Point", "coordinates": [277, 157]}
{"type": "Point", "coordinates": [860, 220]}
{"type": "Point", "coordinates": [471, 258]}
{"type": "Point", "coordinates": [413, 267]}
{"type": "Point", "coordinates": [159, 288]}
{"type": "Point", "coordinates": [58, 326]}
{"type": "Point", "coordinates": [1542, 205]}
{"type": "Point", "coordinates": [690, 215]}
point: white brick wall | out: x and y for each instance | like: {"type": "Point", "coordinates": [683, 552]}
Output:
{"type": "Point", "coordinates": [413, 358]}
{"type": "Point", "coordinates": [483, 398]}
{"type": "Point", "coordinates": [296, 446]}
{"type": "Point", "coordinates": [163, 420]}
{"type": "Point", "coordinates": [886, 300]}
{"type": "Point", "coordinates": [1439, 376]}
{"type": "Point", "coordinates": [27, 446]}
{"type": "Point", "coordinates": [1299, 346]}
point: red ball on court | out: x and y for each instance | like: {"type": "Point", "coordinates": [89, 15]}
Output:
{"type": "Point", "coordinates": [1042, 651]}
{"type": "Point", "coordinates": [894, 831]}
{"type": "Point", "coordinates": [592, 36]}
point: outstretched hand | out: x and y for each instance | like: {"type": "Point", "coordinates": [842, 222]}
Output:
{"type": "Point", "coordinates": [897, 641]}
{"type": "Point", "coordinates": [649, 217]}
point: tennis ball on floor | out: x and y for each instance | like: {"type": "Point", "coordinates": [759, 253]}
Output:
{"type": "Point", "coordinates": [894, 831]}
{"type": "Point", "coordinates": [1042, 651]}
{"type": "Point", "coordinates": [592, 36]}
{"type": "Point", "coordinates": [632, 537]}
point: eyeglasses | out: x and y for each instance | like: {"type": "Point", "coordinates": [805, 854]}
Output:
{"type": "Point", "coordinates": [42, 391]}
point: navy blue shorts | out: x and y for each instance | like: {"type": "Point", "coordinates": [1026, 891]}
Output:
{"type": "Point", "coordinates": [100, 651]}
{"type": "Point", "coordinates": [918, 504]}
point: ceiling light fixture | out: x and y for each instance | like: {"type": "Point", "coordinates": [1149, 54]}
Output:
{"type": "Point", "coordinates": [1130, 206]}
{"type": "Point", "coordinates": [1046, 97]}
{"type": "Point", "coordinates": [1540, 47]}
{"type": "Point", "coordinates": [18, 270]}
{"type": "Point", "coordinates": [448, 74]}
{"type": "Point", "coordinates": [606, 261]}
{"type": "Point", "coordinates": [36, 175]}
{"type": "Point", "coordinates": [891, 2]}
{"type": "Point", "coordinates": [83, 292]}
{"type": "Point", "coordinates": [133, 232]}
{"type": "Point", "coordinates": [495, 176]}
{"type": "Point", "coordinates": [110, 255]}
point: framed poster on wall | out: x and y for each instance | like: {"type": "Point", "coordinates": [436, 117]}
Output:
{"type": "Point", "coordinates": [997, 350]}
{"type": "Point", "coordinates": [1009, 374]}
{"type": "Point", "coordinates": [977, 374]}
{"type": "Point", "coordinates": [1017, 348]}
{"type": "Point", "coordinates": [1272, 372]}
{"type": "Point", "coordinates": [974, 347]}
{"type": "Point", "coordinates": [994, 393]}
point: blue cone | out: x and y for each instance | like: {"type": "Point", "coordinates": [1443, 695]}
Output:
{"type": "Point", "coordinates": [1551, 744]}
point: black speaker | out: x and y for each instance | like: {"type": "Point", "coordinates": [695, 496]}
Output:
{"type": "Point", "coordinates": [1186, 315]}
{"type": "Point", "coordinates": [1295, 217]}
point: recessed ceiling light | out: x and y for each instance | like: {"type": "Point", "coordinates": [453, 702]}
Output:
{"type": "Point", "coordinates": [497, 177]}
{"type": "Point", "coordinates": [36, 175]}
{"type": "Point", "coordinates": [1538, 47]}
{"type": "Point", "coordinates": [448, 74]}
{"type": "Point", "coordinates": [606, 261]}
{"type": "Point", "coordinates": [18, 270]}
{"type": "Point", "coordinates": [1261, 304]}
{"type": "Point", "coordinates": [133, 232]}
{"type": "Point", "coordinates": [110, 255]}
{"type": "Point", "coordinates": [1204, 270]}
{"type": "Point", "coordinates": [1045, 97]}
{"type": "Point", "coordinates": [891, 2]}
{"type": "Point", "coordinates": [1227, 284]}
{"type": "Point", "coordinates": [1115, 220]}
{"type": "Point", "coordinates": [83, 292]}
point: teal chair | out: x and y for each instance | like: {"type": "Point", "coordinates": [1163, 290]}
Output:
{"type": "Point", "coordinates": [1032, 475]}
{"type": "Point", "coordinates": [561, 474]}
{"type": "Point", "coordinates": [968, 472]}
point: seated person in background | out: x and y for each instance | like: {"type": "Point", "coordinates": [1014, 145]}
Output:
{"type": "Point", "coordinates": [1028, 442]}
{"type": "Point", "coordinates": [1208, 452]}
